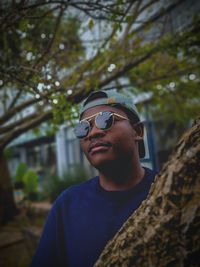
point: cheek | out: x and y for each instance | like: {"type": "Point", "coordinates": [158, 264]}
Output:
{"type": "Point", "coordinates": [122, 142]}
{"type": "Point", "coordinates": [124, 145]}
{"type": "Point", "coordinates": [124, 135]}
{"type": "Point", "coordinates": [126, 140]}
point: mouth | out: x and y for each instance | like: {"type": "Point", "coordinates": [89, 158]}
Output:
{"type": "Point", "coordinates": [98, 146]}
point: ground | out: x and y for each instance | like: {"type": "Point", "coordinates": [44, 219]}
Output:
{"type": "Point", "coordinates": [19, 238]}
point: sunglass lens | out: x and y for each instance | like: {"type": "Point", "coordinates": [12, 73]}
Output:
{"type": "Point", "coordinates": [81, 129]}
{"type": "Point", "coordinates": [104, 120]}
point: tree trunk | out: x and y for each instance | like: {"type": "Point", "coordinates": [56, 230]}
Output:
{"type": "Point", "coordinates": [165, 230]}
{"type": "Point", "coordinates": [8, 207]}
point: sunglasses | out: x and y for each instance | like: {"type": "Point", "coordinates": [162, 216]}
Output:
{"type": "Point", "coordinates": [103, 120]}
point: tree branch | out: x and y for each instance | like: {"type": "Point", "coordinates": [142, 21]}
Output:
{"type": "Point", "coordinates": [17, 123]}
{"type": "Point", "coordinates": [161, 12]}
{"type": "Point", "coordinates": [127, 67]}
{"type": "Point", "coordinates": [90, 62]}
{"type": "Point", "coordinates": [48, 48]}
{"type": "Point", "coordinates": [12, 112]}
{"type": "Point", "coordinates": [24, 128]}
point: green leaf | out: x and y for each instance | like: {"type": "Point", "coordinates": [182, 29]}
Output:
{"type": "Point", "coordinates": [21, 170]}
{"type": "Point", "coordinates": [30, 180]}
{"type": "Point", "coordinates": [91, 24]}
{"type": "Point", "coordinates": [129, 18]}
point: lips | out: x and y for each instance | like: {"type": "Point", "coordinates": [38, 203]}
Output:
{"type": "Point", "coordinates": [97, 146]}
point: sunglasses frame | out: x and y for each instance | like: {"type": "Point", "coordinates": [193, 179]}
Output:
{"type": "Point", "coordinates": [88, 119]}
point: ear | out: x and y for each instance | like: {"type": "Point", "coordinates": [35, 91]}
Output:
{"type": "Point", "coordinates": [139, 131]}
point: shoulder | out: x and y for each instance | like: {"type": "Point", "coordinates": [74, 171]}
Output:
{"type": "Point", "coordinates": [76, 191]}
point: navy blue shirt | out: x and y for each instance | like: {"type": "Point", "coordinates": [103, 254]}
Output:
{"type": "Point", "coordinates": [83, 219]}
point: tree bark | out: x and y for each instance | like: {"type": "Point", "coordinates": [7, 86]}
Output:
{"type": "Point", "coordinates": [8, 207]}
{"type": "Point", "coordinates": [165, 230]}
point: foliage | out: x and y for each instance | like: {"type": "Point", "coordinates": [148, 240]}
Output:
{"type": "Point", "coordinates": [8, 153]}
{"type": "Point", "coordinates": [172, 76]}
{"type": "Point", "coordinates": [27, 180]}
{"type": "Point", "coordinates": [53, 57]}
{"type": "Point", "coordinates": [56, 184]}
{"type": "Point", "coordinates": [30, 180]}
{"type": "Point", "coordinates": [20, 172]}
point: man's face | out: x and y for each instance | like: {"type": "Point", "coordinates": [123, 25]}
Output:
{"type": "Point", "coordinates": [116, 145]}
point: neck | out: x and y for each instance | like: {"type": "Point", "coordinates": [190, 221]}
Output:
{"type": "Point", "coordinates": [123, 178]}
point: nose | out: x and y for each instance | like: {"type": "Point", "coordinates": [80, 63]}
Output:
{"type": "Point", "coordinates": [95, 132]}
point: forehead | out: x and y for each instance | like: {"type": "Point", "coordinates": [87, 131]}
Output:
{"type": "Point", "coordinates": [91, 111]}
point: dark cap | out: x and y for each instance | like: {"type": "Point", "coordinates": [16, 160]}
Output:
{"type": "Point", "coordinates": [112, 98]}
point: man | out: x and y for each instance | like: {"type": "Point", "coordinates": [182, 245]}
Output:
{"type": "Point", "coordinates": [86, 216]}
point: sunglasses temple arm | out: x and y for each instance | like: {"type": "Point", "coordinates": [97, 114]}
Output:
{"type": "Point", "coordinates": [120, 116]}
{"type": "Point", "coordinates": [90, 117]}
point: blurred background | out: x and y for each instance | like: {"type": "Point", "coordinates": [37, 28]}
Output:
{"type": "Point", "coordinates": [53, 54]}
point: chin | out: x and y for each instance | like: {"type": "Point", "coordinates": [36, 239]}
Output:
{"type": "Point", "coordinates": [103, 162]}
